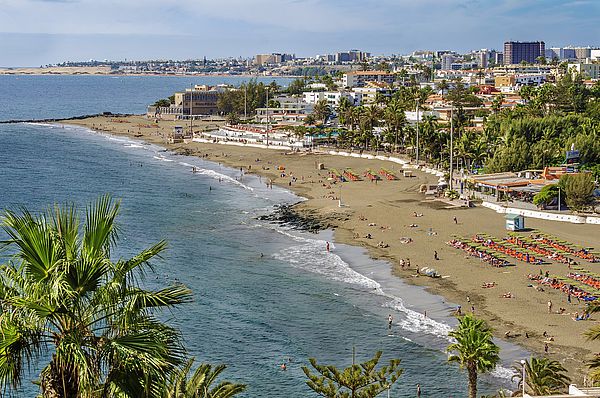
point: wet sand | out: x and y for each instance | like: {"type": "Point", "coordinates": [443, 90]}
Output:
{"type": "Point", "coordinates": [385, 211]}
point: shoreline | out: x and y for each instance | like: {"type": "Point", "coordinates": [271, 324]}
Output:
{"type": "Point", "coordinates": [527, 313]}
{"type": "Point", "coordinates": [8, 71]}
{"type": "Point", "coordinates": [407, 300]}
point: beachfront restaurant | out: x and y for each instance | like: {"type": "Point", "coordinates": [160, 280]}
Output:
{"type": "Point", "coordinates": [508, 186]}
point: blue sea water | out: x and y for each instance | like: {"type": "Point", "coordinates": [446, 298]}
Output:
{"type": "Point", "coordinates": [250, 312]}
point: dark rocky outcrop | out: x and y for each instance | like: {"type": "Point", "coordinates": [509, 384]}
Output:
{"type": "Point", "coordinates": [66, 118]}
{"type": "Point", "coordinates": [302, 219]}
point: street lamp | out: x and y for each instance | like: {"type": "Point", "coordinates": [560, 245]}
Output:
{"type": "Point", "coordinates": [417, 132]}
{"type": "Point", "coordinates": [267, 88]}
{"type": "Point", "coordinates": [523, 380]}
{"type": "Point", "coordinates": [451, 145]}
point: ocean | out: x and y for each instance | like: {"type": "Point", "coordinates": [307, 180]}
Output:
{"type": "Point", "coordinates": [264, 294]}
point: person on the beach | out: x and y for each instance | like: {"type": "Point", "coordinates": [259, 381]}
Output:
{"type": "Point", "coordinates": [546, 348]}
{"type": "Point", "coordinates": [549, 306]}
{"type": "Point", "coordinates": [327, 246]}
{"type": "Point", "coordinates": [455, 220]}
{"type": "Point", "coordinates": [418, 391]}
{"type": "Point", "coordinates": [435, 255]}
{"type": "Point", "coordinates": [390, 320]}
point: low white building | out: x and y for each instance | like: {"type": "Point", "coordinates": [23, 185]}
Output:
{"type": "Point", "coordinates": [333, 97]}
{"type": "Point", "coordinates": [587, 69]}
{"type": "Point", "coordinates": [290, 109]}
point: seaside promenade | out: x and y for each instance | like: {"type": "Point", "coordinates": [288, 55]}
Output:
{"type": "Point", "coordinates": [380, 215]}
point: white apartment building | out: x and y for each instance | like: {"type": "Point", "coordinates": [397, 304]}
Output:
{"type": "Point", "coordinates": [587, 69]}
{"type": "Point", "coordinates": [360, 78]}
{"type": "Point", "coordinates": [333, 97]}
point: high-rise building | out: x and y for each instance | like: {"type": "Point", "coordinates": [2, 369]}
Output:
{"type": "Point", "coordinates": [447, 60]}
{"type": "Point", "coordinates": [569, 53]}
{"type": "Point", "coordinates": [582, 52]}
{"type": "Point", "coordinates": [515, 51]}
{"type": "Point", "coordinates": [499, 58]}
{"type": "Point", "coordinates": [482, 59]}
{"type": "Point", "coordinates": [555, 53]}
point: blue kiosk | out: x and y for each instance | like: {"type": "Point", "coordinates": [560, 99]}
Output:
{"type": "Point", "coordinates": [515, 222]}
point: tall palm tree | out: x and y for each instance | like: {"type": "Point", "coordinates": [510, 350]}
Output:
{"type": "Point", "coordinates": [322, 110]}
{"type": "Point", "coordinates": [395, 120]}
{"type": "Point", "coordinates": [343, 106]}
{"type": "Point", "coordinates": [543, 376]}
{"type": "Point", "coordinates": [63, 297]}
{"type": "Point", "coordinates": [200, 383]}
{"type": "Point", "coordinates": [474, 348]}
{"type": "Point", "coordinates": [442, 86]}
{"type": "Point", "coordinates": [369, 120]}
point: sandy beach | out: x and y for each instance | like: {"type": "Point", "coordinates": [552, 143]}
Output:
{"type": "Point", "coordinates": [385, 211]}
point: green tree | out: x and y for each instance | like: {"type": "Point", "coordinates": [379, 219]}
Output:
{"type": "Point", "coordinates": [162, 103]}
{"type": "Point", "coordinates": [442, 86]}
{"type": "Point", "coordinates": [356, 381]}
{"type": "Point", "coordinates": [64, 298]}
{"type": "Point", "coordinates": [200, 383]}
{"type": "Point", "coordinates": [322, 110]}
{"type": "Point", "coordinates": [543, 376]}
{"type": "Point", "coordinates": [395, 120]}
{"type": "Point", "coordinates": [546, 195]}
{"type": "Point", "coordinates": [296, 87]}
{"type": "Point", "coordinates": [578, 188]}
{"type": "Point", "coordinates": [232, 118]}
{"type": "Point", "coordinates": [310, 120]}
{"type": "Point", "coordinates": [474, 349]}
{"type": "Point", "coordinates": [344, 105]}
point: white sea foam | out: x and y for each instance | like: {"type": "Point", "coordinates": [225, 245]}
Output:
{"type": "Point", "coordinates": [162, 159]}
{"type": "Point", "coordinates": [49, 125]}
{"type": "Point", "coordinates": [133, 146]}
{"type": "Point", "coordinates": [310, 254]}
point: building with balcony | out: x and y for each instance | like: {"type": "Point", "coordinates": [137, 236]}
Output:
{"type": "Point", "coordinates": [516, 52]}
{"type": "Point", "coordinates": [360, 78]}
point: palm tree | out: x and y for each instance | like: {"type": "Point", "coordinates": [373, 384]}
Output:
{"type": "Point", "coordinates": [344, 105]}
{"type": "Point", "coordinates": [200, 383]}
{"type": "Point", "coordinates": [63, 297]}
{"type": "Point", "coordinates": [543, 376]}
{"type": "Point", "coordinates": [395, 120]}
{"type": "Point", "coordinates": [474, 348]}
{"type": "Point", "coordinates": [322, 110]}
{"type": "Point", "coordinates": [369, 120]}
{"type": "Point", "coordinates": [442, 86]}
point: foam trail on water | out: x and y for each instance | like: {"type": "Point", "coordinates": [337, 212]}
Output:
{"type": "Point", "coordinates": [216, 175]}
{"type": "Point", "coordinates": [310, 255]}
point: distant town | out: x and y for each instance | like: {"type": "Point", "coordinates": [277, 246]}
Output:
{"type": "Point", "coordinates": [438, 63]}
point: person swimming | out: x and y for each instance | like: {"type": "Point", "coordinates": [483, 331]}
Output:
{"type": "Point", "coordinates": [390, 321]}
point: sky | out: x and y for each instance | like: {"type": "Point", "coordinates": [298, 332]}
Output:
{"type": "Point", "coordinates": [40, 32]}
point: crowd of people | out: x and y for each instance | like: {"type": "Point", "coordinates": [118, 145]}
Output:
{"type": "Point", "coordinates": [563, 286]}
{"type": "Point", "coordinates": [480, 253]}
{"type": "Point", "coordinates": [582, 253]}
{"type": "Point", "coordinates": [550, 254]}
{"type": "Point", "coordinates": [509, 251]}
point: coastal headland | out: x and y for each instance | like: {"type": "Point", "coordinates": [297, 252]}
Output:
{"type": "Point", "coordinates": [380, 216]}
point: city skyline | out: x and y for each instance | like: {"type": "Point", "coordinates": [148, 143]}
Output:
{"type": "Point", "coordinates": [135, 29]}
